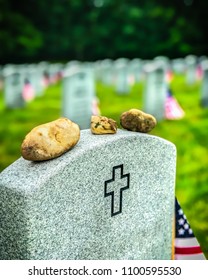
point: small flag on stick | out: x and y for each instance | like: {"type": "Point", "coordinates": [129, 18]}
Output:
{"type": "Point", "coordinates": [186, 244]}
{"type": "Point", "coordinates": [28, 91]}
{"type": "Point", "coordinates": [95, 107]}
{"type": "Point", "coordinates": [173, 110]}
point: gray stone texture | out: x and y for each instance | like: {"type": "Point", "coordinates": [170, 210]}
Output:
{"type": "Point", "coordinates": [57, 209]}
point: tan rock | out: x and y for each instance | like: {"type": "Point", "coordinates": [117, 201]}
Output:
{"type": "Point", "coordinates": [103, 125]}
{"type": "Point", "coordinates": [136, 120]}
{"type": "Point", "coordinates": [50, 140]}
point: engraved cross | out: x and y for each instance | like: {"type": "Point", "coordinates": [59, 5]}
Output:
{"type": "Point", "coordinates": [115, 187]}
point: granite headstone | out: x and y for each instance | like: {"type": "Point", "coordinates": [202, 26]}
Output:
{"type": "Point", "coordinates": [191, 66]}
{"type": "Point", "coordinates": [155, 90]}
{"type": "Point", "coordinates": [178, 66]}
{"type": "Point", "coordinates": [135, 70]}
{"type": "Point", "coordinates": [110, 197]}
{"type": "Point", "coordinates": [121, 70]}
{"type": "Point", "coordinates": [107, 73]}
{"type": "Point", "coordinates": [13, 89]}
{"type": "Point", "coordinates": [78, 95]}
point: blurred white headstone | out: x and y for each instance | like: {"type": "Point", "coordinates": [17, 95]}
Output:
{"type": "Point", "coordinates": [155, 90]}
{"type": "Point", "coordinates": [13, 88]}
{"type": "Point", "coordinates": [204, 87]}
{"type": "Point", "coordinates": [191, 66]}
{"type": "Point", "coordinates": [78, 94]}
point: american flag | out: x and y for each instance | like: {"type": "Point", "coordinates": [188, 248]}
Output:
{"type": "Point", "coordinates": [28, 91]}
{"type": "Point", "coordinates": [95, 107]}
{"type": "Point", "coordinates": [186, 244]}
{"type": "Point", "coordinates": [173, 110]}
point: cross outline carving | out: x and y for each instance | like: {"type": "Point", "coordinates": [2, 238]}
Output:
{"type": "Point", "coordinates": [111, 193]}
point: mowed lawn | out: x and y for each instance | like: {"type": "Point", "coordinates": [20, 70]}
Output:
{"type": "Point", "coordinates": [190, 135]}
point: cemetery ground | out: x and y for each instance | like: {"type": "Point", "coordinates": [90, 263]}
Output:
{"type": "Point", "coordinates": [189, 134]}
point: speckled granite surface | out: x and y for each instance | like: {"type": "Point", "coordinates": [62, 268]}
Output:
{"type": "Point", "coordinates": [65, 209]}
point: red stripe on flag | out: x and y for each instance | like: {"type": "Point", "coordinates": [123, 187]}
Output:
{"type": "Point", "coordinates": [188, 250]}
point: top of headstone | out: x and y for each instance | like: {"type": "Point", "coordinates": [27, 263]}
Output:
{"type": "Point", "coordinates": [29, 174]}
{"type": "Point", "coordinates": [191, 59]}
{"type": "Point", "coordinates": [77, 69]}
{"type": "Point", "coordinates": [153, 66]}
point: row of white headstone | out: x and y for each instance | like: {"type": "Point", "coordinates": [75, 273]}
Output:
{"type": "Point", "coordinates": [156, 75]}
{"type": "Point", "coordinates": [111, 71]}
{"type": "Point", "coordinates": [79, 85]}
{"type": "Point", "coordinates": [79, 100]}
{"type": "Point", "coordinates": [22, 83]}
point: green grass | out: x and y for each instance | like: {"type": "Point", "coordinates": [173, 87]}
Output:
{"type": "Point", "coordinates": [15, 124]}
{"type": "Point", "coordinates": [190, 135]}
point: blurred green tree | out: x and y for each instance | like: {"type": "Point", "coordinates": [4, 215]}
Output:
{"type": "Point", "coordinates": [19, 39]}
{"type": "Point", "coordinates": [96, 29]}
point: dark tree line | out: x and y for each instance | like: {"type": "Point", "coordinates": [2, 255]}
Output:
{"type": "Point", "coordinates": [33, 30]}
